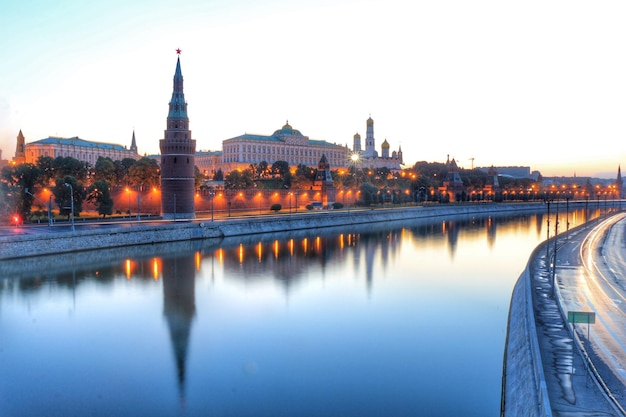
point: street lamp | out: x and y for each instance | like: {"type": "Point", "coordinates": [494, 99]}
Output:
{"type": "Point", "coordinates": [128, 193]}
{"type": "Point", "coordinates": [49, 205]}
{"type": "Point", "coordinates": [212, 195]}
{"type": "Point", "coordinates": [71, 202]}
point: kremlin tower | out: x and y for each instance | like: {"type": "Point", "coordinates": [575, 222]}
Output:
{"type": "Point", "coordinates": [177, 157]}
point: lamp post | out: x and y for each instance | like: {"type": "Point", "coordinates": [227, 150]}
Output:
{"type": "Point", "coordinates": [212, 195]}
{"type": "Point", "coordinates": [71, 203]}
{"type": "Point", "coordinates": [128, 193]}
{"type": "Point", "coordinates": [138, 206]}
{"type": "Point", "coordinates": [49, 205]}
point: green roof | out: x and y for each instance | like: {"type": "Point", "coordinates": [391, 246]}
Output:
{"type": "Point", "coordinates": [76, 141]}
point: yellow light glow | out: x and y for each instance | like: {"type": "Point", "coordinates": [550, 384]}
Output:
{"type": "Point", "coordinates": [198, 259]}
{"type": "Point", "coordinates": [155, 269]}
{"type": "Point", "coordinates": [128, 268]}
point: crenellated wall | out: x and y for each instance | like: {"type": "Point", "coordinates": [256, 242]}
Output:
{"type": "Point", "coordinates": [128, 234]}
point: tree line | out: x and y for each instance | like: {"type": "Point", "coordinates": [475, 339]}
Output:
{"type": "Point", "coordinates": [68, 178]}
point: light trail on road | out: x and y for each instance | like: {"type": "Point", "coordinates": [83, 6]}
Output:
{"type": "Point", "coordinates": [594, 286]}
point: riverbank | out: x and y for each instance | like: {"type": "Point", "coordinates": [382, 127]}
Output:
{"type": "Point", "coordinates": [113, 235]}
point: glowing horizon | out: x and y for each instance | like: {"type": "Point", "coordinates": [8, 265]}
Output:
{"type": "Point", "coordinates": [534, 84]}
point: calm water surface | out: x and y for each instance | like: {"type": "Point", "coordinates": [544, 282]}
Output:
{"type": "Point", "coordinates": [396, 320]}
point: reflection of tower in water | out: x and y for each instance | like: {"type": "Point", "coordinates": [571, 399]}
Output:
{"type": "Point", "coordinates": [179, 307]}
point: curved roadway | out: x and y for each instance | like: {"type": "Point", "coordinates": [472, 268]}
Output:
{"type": "Point", "coordinates": [591, 277]}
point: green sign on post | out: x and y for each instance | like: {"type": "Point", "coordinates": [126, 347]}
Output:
{"type": "Point", "coordinates": [584, 317]}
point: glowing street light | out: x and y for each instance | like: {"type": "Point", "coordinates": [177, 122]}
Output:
{"type": "Point", "coordinates": [49, 205]}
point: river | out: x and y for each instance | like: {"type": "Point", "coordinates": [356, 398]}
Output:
{"type": "Point", "coordinates": [402, 319]}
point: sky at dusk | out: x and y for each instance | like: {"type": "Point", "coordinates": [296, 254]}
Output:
{"type": "Point", "coordinates": [532, 83]}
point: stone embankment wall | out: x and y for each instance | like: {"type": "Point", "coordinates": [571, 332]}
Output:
{"type": "Point", "coordinates": [524, 390]}
{"type": "Point", "coordinates": [44, 242]}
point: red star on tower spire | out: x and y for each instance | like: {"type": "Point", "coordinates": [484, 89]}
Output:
{"type": "Point", "coordinates": [178, 51]}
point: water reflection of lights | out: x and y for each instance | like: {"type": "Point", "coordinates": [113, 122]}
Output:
{"type": "Point", "coordinates": [305, 246]}
{"type": "Point", "coordinates": [128, 268]}
{"type": "Point", "coordinates": [156, 269]}
{"type": "Point", "coordinates": [198, 259]}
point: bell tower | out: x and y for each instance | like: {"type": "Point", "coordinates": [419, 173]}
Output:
{"type": "Point", "coordinates": [177, 157]}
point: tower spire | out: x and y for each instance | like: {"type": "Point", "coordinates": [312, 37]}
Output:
{"type": "Point", "coordinates": [20, 148]}
{"type": "Point", "coordinates": [177, 156]}
{"type": "Point", "coordinates": [178, 106]}
{"type": "Point", "coordinates": [133, 143]}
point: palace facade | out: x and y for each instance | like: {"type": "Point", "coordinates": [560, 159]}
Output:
{"type": "Point", "coordinates": [84, 150]}
{"type": "Point", "coordinates": [285, 144]}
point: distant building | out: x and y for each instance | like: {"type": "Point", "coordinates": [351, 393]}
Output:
{"type": "Point", "coordinates": [369, 158]}
{"type": "Point", "coordinates": [84, 150]}
{"type": "Point", "coordinates": [514, 172]}
{"type": "Point", "coordinates": [453, 184]}
{"type": "Point", "coordinates": [324, 182]}
{"type": "Point", "coordinates": [492, 185]}
{"type": "Point", "coordinates": [209, 162]}
{"type": "Point", "coordinates": [285, 144]}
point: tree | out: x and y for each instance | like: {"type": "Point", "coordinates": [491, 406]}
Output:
{"type": "Point", "coordinates": [262, 169]}
{"type": "Point", "coordinates": [280, 168]}
{"type": "Point", "coordinates": [17, 180]}
{"type": "Point", "coordinates": [104, 170]}
{"type": "Point", "coordinates": [63, 195]}
{"type": "Point", "coordinates": [46, 166]}
{"type": "Point", "coordinates": [121, 171]}
{"type": "Point", "coordinates": [368, 194]}
{"type": "Point", "coordinates": [197, 178]}
{"type": "Point", "coordinates": [99, 194]}
{"type": "Point", "coordinates": [145, 172]}
{"type": "Point", "coordinates": [219, 175]}
{"type": "Point", "coordinates": [238, 180]}
{"type": "Point", "coordinates": [68, 166]}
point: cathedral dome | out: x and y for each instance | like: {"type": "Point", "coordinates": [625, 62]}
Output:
{"type": "Point", "coordinates": [357, 136]}
{"type": "Point", "coordinates": [385, 145]}
{"type": "Point", "coordinates": [287, 130]}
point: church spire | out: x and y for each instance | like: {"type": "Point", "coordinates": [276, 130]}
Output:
{"type": "Point", "coordinates": [133, 143]}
